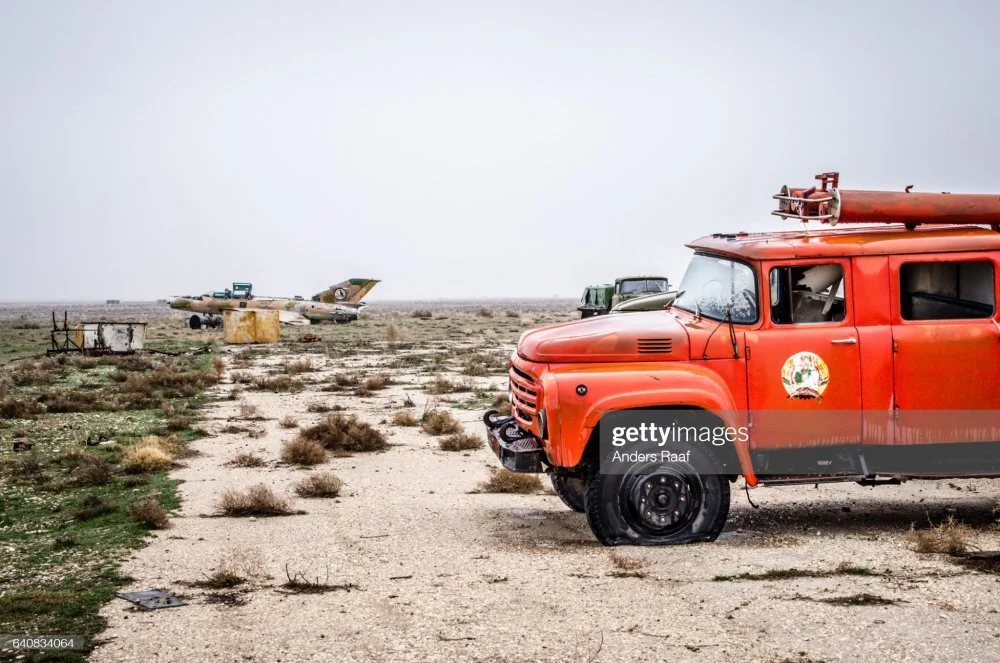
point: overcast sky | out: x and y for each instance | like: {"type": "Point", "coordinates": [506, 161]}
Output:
{"type": "Point", "coordinates": [457, 149]}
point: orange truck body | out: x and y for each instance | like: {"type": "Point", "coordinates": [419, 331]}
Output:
{"type": "Point", "coordinates": [902, 346]}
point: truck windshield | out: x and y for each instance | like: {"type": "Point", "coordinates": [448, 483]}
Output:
{"type": "Point", "coordinates": [643, 285]}
{"type": "Point", "coordinates": [714, 286]}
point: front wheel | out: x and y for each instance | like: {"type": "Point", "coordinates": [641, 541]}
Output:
{"type": "Point", "coordinates": [659, 503]}
{"type": "Point", "coordinates": [571, 490]}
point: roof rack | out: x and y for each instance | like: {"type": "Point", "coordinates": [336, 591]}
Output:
{"type": "Point", "coordinates": [827, 203]}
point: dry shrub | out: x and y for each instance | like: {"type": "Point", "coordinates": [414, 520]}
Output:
{"type": "Point", "coordinates": [247, 460]}
{"type": "Point", "coordinates": [150, 454]}
{"type": "Point", "coordinates": [501, 403]}
{"type": "Point", "coordinates": [484, 312]}
{"type": "Point", "coordinates": [951, 537]}
{"type": "Point", "coordinates": [405, 418]}
{"type": "Point", "coordinates": [440, 422]}
{"type": "Point", "coordinates": [298, 366]}
{"type": "Point", "coordinates": [288, 421]}
{"type": "Point", "coordinates": [11, 408]}
{"type": "Point", "coordinates": [511, 314]}
{"type": "Point", "coordinates": [376, 382]}
{"type": "Point", "coordinates": [460, 442]}
{"type": "Point", "coordinates": [218, 366]}
{"type": "Point", "coordinates": [249, 411]}
{"type": "Point", "coordinates": [150, 514]}
{"type": "Point", "coordinates": [302, 451]}
{"type": "Point", "coordinates": [92, 471]}
{"type": "Point", "coordinates": [442, 385]}
{"type": "Point", "coordinates": [277, 384]}
{"type": "Point", "coordinates": [235, 568]}
{"type": "Point", "coordinates": [6, 383]}
{"type": "Point", "coordinates": [92, 507]}
{"type": "Point", "coordinates": [393, 334]}
{"type": "Point", "coordinates": [339, 432]}
{"type": "Point", "coordinates": [505, 481]}
{"type": "Point", "coordinates": [72, 400]}
{"type": "Point", "coordinates": [175, 424]}
{"type": "Point", "coordinates": [257, 500]}
{"type": "Point", "coordinates": [422, 314]}
{"type": "Point", "coordinates": [319, 484]}
{"type": "Point", "coordinates": [344, 380]}
{"type": "Point", "coordinates": [256, 433]}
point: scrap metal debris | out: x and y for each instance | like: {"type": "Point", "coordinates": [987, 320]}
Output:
{"type": "Point", "coordinates": [152, 599]}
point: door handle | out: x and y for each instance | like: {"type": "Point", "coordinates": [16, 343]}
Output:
{"type": "Point", "coordinates": [845, 341]}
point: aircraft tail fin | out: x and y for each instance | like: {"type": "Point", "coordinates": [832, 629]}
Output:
{"type": "Point", "coordinates": [351, 291]}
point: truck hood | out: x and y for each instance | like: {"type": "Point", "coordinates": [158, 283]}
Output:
{"type": "Point", "coordinates": [647, 336]}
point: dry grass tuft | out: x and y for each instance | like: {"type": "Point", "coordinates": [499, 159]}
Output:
{"type": "Point", "coordinates": [505, 481]}
{"type": "Point", "coordinates": [440, 422]}
{"type": "Point", "coordinates": [319, 484]}
{"type": "Point", "coordinates": [150, 514]}
{"type": "Point", "coordinates": [338, 432]}
{"type": "Point", "coordinates": [247, 460]}
{"type": "Point", "coordinates": [951, 537]}
{"type": "Point", "coordinates": [484, 312]}
{"type": "Point", "coordinates": [422, 314]}
{"type": "Point", "coordinates": [460, 442]}
{"type": "Point", "coordinates": [92, 471]}
{"type": "Point", "coordinates": [257, 500]}
{"type": "Point", "coordinates": [302, 451]}
{"type": "Point", "coordinates": [218, 366]}
{"type": "Point", "coordinates": [151, 454]}
{"type": "Point", "coordinates": [298, 366]}
{"type": "Point", "coordinates": [393, 334]}
{"type": "Point", "coordinates": [405, 418]}
{"type": "Point", "coordinates": [278, 384]}
{"type": "Point", "coordinates": [376, 382]}
{"type": "Point", "coordinates": [92, 507]}
{"type": "Point", "coordinates": [628, 567]}
{"type": "Point", "coordinates": [249, 411]}
{"type": "Point", "coordinates": [175, 424]}
{"type": "Point", "coordinates": [288, 421]}
{"type": "Point", "coordinates": [236, 568]}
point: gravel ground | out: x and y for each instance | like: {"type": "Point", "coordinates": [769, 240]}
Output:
{"type": "Point", "coordinates": [436, 571]}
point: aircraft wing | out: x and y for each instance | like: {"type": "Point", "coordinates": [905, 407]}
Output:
{"type": "Point", "coordinates": [292, 318]}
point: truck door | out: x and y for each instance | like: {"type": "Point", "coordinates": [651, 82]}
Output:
{"type": "Point", "coordinates": [946, 351]}
{"type": "Point", "coordinates": [803, 366]}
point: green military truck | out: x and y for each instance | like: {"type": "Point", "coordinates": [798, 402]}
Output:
{"type": "Point", "coordinates": [601, 299]}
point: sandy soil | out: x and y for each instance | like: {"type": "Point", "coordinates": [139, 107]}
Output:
{"type": "Point", "coordinates": [444, 573]}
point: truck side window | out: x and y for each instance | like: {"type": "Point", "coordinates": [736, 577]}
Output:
{"type": "Point", "coordinates": [946, 290]}
{"type": "Point", "coordinates": [807, 294]}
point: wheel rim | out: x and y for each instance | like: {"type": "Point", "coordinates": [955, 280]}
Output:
{"type": "Point", "coordinates": [660, 500]}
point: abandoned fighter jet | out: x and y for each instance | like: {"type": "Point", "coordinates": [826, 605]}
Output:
{"type": "Point", "coordinates": [340, 303]}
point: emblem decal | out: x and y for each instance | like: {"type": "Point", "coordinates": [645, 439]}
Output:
{"type": "Point", "coordinates": [805, 375]}
{"type": "Point", "coordinates": [340, 293]}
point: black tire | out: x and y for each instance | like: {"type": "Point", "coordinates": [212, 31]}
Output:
{"type": "Point", "coordinates": [195, 322]}
{"type": "Point", "coordinates": [691, 501]}
{"type": "Point", "coordinates": [571, 490]}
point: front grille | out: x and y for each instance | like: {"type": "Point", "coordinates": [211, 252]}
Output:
{"type": "Point", "coordinates": [655, 345]}
{"type": "Point", "coordinates": [526, 393]}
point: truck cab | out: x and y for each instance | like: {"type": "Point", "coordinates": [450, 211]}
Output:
{"type": "Point", "coordinates": [853, 353]}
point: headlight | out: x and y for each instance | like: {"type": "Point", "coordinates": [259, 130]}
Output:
{"type": "Point", "coordinates": [543, 424]}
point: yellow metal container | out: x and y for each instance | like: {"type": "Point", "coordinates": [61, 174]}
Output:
{"type": "Point", "coordinates": [251, 326]}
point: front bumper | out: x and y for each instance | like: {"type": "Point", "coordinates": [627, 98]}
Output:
{"type": "Point", "coordinates": [517, 449]}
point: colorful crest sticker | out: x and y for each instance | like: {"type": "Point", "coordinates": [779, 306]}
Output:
{"type": "Point", "coordinates": [805, 375]}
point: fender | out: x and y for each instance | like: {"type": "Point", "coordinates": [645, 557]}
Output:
{"type": "Point", "coordinates": [634, 386]}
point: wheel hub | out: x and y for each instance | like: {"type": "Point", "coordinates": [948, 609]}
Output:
{"type": "Point", "coordinates": [660, 500]}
